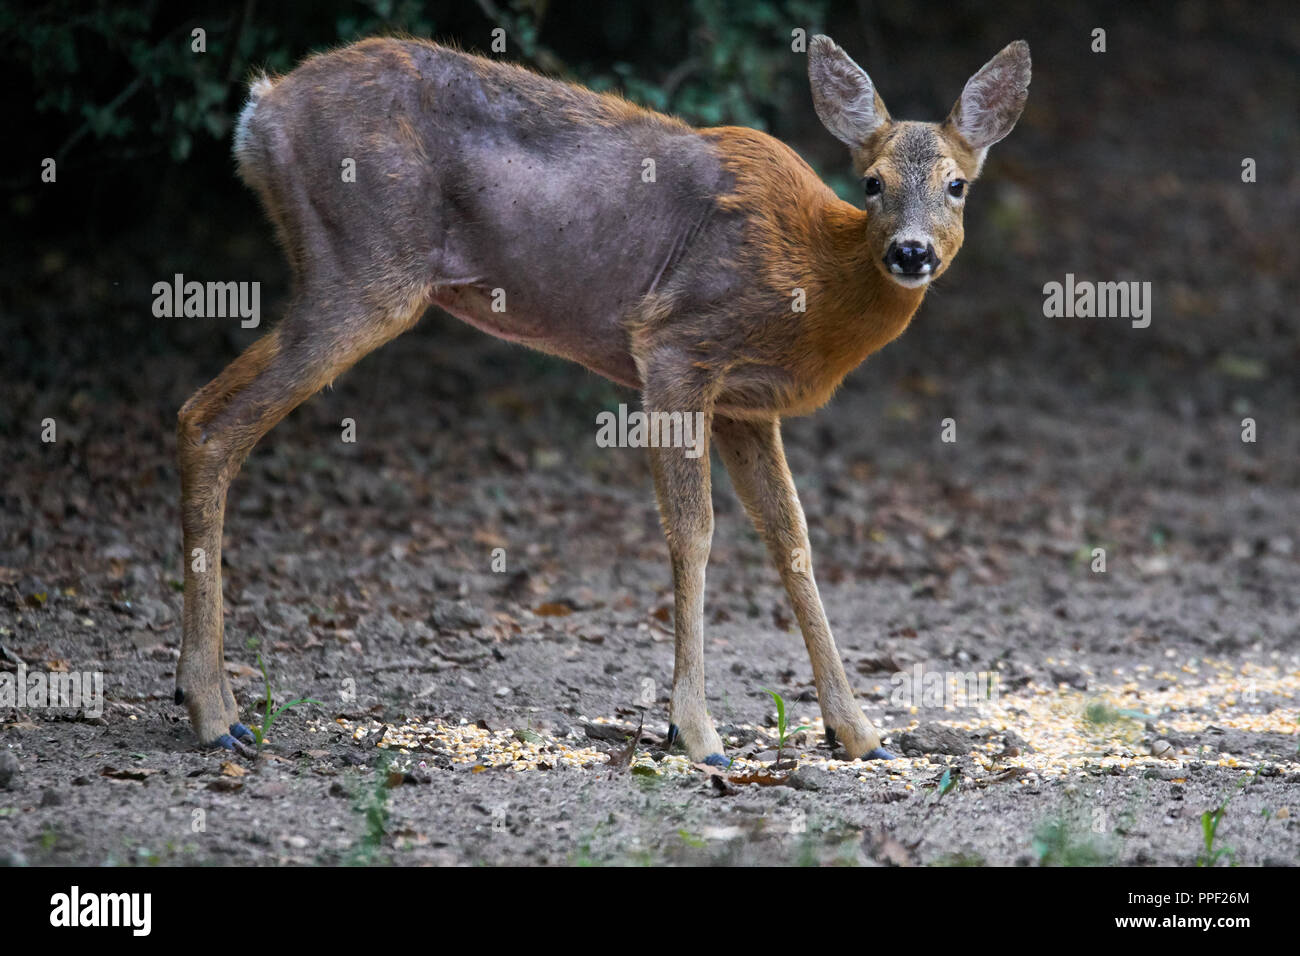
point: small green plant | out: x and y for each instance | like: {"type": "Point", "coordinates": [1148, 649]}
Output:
{"type": "Point", "coordinates": [1100, 713]}
{"type": "Point", "coordinates": [782, 734]}
{"type": "Point", "coordinates": [373, 808]}
{"type": "Point", "coordinates": [1210, 821]}
{"type": "Point", "coordinates": [1102, 720]}
{"type": "Point", "coordinates": [1061, 843]}
{"type": "Point", "coordinates": [691, 840]}
{"type": "Point", "coordinates": [268, 716]}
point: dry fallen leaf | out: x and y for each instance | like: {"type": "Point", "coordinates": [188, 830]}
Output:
{"type": "Point", "coordinates": [723, 788]}
{"type": "Point", "coordinates": [621, 757]}
{"type": "Point", "coordinates": [553, 609]}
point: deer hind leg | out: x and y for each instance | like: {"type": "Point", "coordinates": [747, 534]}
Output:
{"type": "Point", "coordinates": [755, 459]}
{"type": "Point", "coordinates": [318, 339]}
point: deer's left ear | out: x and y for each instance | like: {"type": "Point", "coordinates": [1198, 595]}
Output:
{"type": "Point", "coordinates": [993, 99]}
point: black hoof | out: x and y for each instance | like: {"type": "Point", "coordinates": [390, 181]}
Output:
{"type": "Point", "coordinates": [673, 734]}
{"type": "Point", "coordinates": [717, 760]}
{"type": "Point", "coordinates": [830, 738]}
{"type": "Point", "coordinates": [880, 753]}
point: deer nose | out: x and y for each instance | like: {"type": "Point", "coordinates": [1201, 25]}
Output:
{"type": "Point", "coordinates": [911, 258]}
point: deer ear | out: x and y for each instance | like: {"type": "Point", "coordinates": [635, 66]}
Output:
{"type": "Point", "coordinates": [843, 95]}
{"type": "Point", "coordinates": [993, 99]}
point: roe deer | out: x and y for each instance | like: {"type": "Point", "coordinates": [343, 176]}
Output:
{"type": "Point", "coordinates": [735, 284]}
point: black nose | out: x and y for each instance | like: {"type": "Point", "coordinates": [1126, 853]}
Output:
{"type": "Point", "coordinates": [911, 258]}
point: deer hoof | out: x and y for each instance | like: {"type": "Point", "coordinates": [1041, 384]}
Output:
{"type": "Point", "coordinates": [240, 732]}
{"type": "Point", "coordinates": [717, 760]}
{"type": "Point", "coordinates": [880, 753]}
{"type": "Point", "coordinates": [673, 733]}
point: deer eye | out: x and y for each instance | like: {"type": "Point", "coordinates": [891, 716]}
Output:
{"type": "Point", "coordinates": [872, 186]}
{"type": "Point", "coordinates": [956, 188]}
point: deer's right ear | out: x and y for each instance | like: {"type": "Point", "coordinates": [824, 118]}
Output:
{"type": "Point", "coordinates": [843, 95]}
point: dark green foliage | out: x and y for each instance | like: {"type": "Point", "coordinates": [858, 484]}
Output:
{"type": "Point", "coordinates": [124, 81]}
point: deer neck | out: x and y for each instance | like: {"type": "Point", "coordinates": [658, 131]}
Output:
{"type": "Point", "coordinates": [853, 308]}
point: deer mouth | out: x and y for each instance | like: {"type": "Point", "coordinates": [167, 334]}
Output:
{"type": "Point", "coordinates": [910, 280]}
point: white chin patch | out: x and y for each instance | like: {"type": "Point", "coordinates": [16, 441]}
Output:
{"type": "Point", "coordinates": [910, 282]}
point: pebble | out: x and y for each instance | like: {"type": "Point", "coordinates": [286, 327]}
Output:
{"type": "Point", "coordinates": [8, 768]}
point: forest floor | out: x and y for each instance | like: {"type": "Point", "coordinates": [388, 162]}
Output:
{"type": "Point", "coordinates": [1082, 715]}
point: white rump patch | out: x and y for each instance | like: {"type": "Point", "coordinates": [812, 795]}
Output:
{"type": "Point", "coordinates": [256, 90]}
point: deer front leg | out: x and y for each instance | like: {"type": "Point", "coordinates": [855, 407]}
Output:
{"type": "Point", "coordinates": [681, 477]}
{"type": "Point", "coordinates": [755, 459]}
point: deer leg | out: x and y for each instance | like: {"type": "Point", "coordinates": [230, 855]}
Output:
{"type": "Point", "coordinates": [755, 459]}
{"type": "Point", "coordinates": [686, 511]}
{"type": "Point", "coordinates": [216, 430]}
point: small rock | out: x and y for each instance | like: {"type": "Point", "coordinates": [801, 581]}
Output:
{"type": "Point", "coordinates": [1071, 676]}
{"type": "Point", "coordinates": [809, 778]}
{"type": "Point", "coordinates": [609, 732]}
{"type": "Point", "coordinates": [282, 614]}
{"type": "Point", "coordinates": [455, 616]}
{"type": "Point", "coordinates": [1014, 741]}
{"type": "Point", "coordinates": [50, 798]}
{"type": "Point", "coordinates": [8, 768]}
{"type": "Point", "coordinates": [933, 739]}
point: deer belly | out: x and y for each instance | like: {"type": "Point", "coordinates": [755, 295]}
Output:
{"type": "Point", "coordinates": [598, 345]}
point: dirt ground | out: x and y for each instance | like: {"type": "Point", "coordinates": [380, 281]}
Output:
{"type": "Point", "coordinates": [464, 714]}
